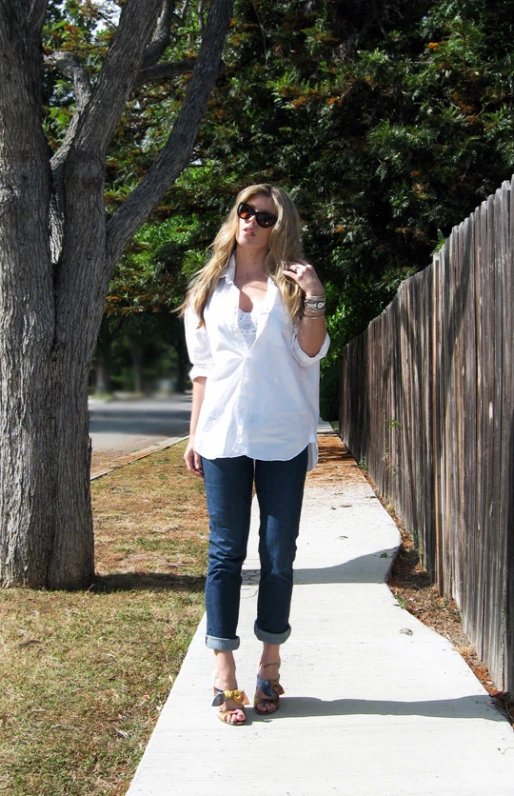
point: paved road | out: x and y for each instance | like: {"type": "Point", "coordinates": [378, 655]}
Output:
{"type": "Point", "coordinates": [130, 425]}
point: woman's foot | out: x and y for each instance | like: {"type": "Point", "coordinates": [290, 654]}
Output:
{"type": "Point", "coordinates": [269, 690]}
{"type": "Point", "coordinates": [231, 709]}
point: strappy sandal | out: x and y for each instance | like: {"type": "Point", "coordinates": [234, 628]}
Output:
{"type": "Point", "coordinates": [273, 691]}
{"type": "Point", "coordinates": [239, 697]}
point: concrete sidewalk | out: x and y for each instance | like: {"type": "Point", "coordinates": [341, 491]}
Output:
{"type": "Point", "coordinates": [376, 703]}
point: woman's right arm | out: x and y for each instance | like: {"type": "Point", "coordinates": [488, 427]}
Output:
{"type": "Point", "coordinates": [192, 458]}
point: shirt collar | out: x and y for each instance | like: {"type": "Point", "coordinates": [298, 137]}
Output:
{"type": "Point", "coordinates": [230, 270]}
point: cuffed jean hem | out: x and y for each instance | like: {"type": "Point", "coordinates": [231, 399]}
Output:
{"type": "Point", "coordinates": [271, 638]}
{"type": "Point", "coordinates": [222, 644]}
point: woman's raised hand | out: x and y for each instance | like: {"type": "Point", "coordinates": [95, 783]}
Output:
{"type": "Point", "coordinates": [306, 278]}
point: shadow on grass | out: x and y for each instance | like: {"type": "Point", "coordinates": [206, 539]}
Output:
{"type": "Point", "coordinates": [147, 581]}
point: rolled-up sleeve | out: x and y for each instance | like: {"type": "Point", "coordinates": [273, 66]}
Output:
{"type": "Point", "coordinates": [304, 359]}
{"type": "Point", "coordinates": [198, 347]}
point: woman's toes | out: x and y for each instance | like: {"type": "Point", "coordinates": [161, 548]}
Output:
{"type": "Point", "coordinates": [236, 717]}
{"type": "Point", "coordinates": [266, 709]}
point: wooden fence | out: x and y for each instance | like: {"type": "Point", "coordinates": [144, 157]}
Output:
{"type": "Point", "coordinates": [427, 405]}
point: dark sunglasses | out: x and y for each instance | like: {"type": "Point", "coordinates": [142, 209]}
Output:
{"type": "Point", "coordinates": [263, 219]}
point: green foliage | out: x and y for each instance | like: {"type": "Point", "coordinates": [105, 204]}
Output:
{"type": "Point", "coordinates": [388, 123]}
{"type": "Point", "coordinates": [386, 130]}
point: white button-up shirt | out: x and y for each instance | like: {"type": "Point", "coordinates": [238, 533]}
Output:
{"type": "Point", "coordinates": [260, 401]}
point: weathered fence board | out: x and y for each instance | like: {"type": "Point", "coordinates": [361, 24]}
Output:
{"type": "Point", "coordinates": [428, 405]}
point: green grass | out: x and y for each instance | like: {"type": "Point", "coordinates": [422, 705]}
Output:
{"type": "Point", "coordinates": [84, 674]}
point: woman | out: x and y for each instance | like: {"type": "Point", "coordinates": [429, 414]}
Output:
{"type": "Point", "coordinates": [255, 331]}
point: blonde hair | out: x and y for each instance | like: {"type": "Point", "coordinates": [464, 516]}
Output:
{"type": "Point", "coordinates": [285, 248]}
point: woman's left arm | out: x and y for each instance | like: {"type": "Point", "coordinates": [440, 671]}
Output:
{"type": "Point", "coordinates": [312, 328]}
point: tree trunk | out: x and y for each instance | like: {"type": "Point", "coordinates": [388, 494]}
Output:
{"type": "Point", "coordinates": [27, 416]}
{"type": "Point", "coordinates": [82, 273]}
{"type": "Point", "coordinates": [52, 298]}
{"type": "Point", "coordinates": [49, 319]}
{"type": "Point", "coordinates": [72, 555]}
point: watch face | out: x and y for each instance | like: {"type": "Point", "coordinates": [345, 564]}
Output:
{"type": "Point", "coordinates": [320, 305]}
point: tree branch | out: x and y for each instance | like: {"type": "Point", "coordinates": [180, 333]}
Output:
{"type": "Point", "coordinates": [176, 152]}
{"type": "Point", "coordinates": [70, 66]}
{"type": "Point", "coordinates": [162, 34]}
{"type": "Point", "coordinates": [185, 9]}
{"type": "Point", "coordinates": [201, 20]}
{"type": "Point", "coordinates": [80, 159]}
{"type": "Point", "coordinates": [118, 75]}
{"type": "Point", "coordinates": [97, 12]}
{"type": "Point", "coordinates": [165, 71]}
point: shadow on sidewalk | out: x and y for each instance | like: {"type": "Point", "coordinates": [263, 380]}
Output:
{"type": "Point", "coordinates": [365, 569]}
{"type": "Point", "coordinates": [469, 707]}
{"type": "Point", "coordinates": [371, 568]}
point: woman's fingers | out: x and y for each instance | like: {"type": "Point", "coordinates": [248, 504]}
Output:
{"type": "Point", "coordinates": [198, 464]}
{"type": "Point", "coordinates": [306, 277]}
{"type": "Point", "coordinates": [193, 462]}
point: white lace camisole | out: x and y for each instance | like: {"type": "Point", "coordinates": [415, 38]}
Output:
{"type": "Point", "coordinates": [248, 324]}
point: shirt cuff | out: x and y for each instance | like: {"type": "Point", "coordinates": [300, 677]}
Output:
{"type": "Point", "coordinates": [198, 371]}
{"type": "Point", "coordinates": [302, 357]}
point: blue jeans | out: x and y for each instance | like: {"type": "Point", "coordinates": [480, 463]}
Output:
{"type": "Point", "coordinates": [279, 489]}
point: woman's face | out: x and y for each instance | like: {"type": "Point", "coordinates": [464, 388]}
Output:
{"type": "Point", "coordinates": [249, 234]}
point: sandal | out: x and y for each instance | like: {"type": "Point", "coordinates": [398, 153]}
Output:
{"type": "Point", "coordinates": [239, 697]}
{"type": "Point", "coordinates": [273, 691]}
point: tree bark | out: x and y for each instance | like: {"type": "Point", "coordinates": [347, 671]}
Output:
{"type": "Point", "coordinates": [56, 258]}
{"type": "Point", "coordinates": [27, 461]}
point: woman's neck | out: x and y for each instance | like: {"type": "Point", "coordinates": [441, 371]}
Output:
{"type": "Point", "coordinates": [250, 264]}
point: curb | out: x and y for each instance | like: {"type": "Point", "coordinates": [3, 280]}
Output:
{"type": "Point", "coordinates": [128, 458]}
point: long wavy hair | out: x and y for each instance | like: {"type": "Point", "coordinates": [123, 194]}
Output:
{"type": "Point", "coordinates": [285, 248]}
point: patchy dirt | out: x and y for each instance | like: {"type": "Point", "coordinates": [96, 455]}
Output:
{"type": "Point", "coordinates": [408, 581]}
{"type": "Point", "coordinates": [335, 461]}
